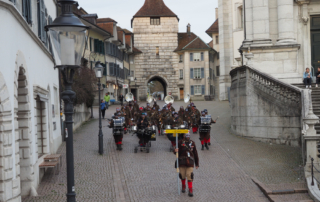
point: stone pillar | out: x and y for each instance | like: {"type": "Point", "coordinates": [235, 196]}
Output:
{"type": "Point", "coordinates": [285, 22]}
{"type": "Point", "coordinates": [260, 25]}
{"type": "Point", "coordinates": [248, 23]}
{"type": "Point", "coordinates": [311, 137]}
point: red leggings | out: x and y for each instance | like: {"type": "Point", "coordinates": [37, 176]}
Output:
{"type": "Point", "coordinates": [194, 129]}
{"type": "Point", "coordinates": [205, 141]}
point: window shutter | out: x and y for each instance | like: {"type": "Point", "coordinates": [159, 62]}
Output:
{"type": "Point", "coordinates": [202, 73]}
{"type": "Point", "coordinates": [103, 48]}
{"type": "Point", "coordinates": [96, 45]}
{"type": "Point", "coordinates": [44, 21]}
{"type": "Point", "coordinates": [202, 56]}
{"type": "Point", "coordinates": [107, 48]}
{"type": "Point", "coordinates": [30, 12]}
{"type": "Point", "coordinates": [24, 9]}
{"type": "Point", "coordinates": [191, 73]}
{"type": "Point", "coordinates": [41, 19]}
{"type": "Point", "coordinates": [50, 45]}
{"type": "Point", "coordinates": [104, 70]}
{"type": "Point", "coordinates": [191, 57]}
{"type": "Point", "coordinates": [90, 44]}
{"type": "Point", "coordinates": [202, 88]}
{"type": "Point", "coordinates": [111, 69]}
{"type": "Point", "coordinates": [192, 90]}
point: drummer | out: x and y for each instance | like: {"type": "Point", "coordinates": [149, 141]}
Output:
{"type": "Point", "coordinates": [204, 136]}
{"type": "Point", "coordinates": [142, 124]}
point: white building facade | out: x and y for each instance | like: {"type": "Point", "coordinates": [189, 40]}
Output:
{"type": "Point", "coordinates": [29, 96]}
{"type": "Point", "coordinates": [280, 35]}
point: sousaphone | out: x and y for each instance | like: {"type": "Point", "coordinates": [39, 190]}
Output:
{"type": "Point", "coordinates": [187, 98]}
{"type": "Point", "coordinates": [129, 97]}
{"type": "Point", "coordinates": [169, 99]}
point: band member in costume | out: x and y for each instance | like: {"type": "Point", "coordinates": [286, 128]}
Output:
{"type": "Point", "coordinates": [195, 118]}
{"type": "Point", "coordinates": [188, 157]}
{"type": "Point", "coordinates": [205, 136]}
{"type": "Point", "coordinates": [142, 124]}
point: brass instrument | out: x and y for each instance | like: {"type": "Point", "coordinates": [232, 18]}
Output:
{"type": "Point", "coordinates": [187, 98]}
{"type": "Point", "coordinates": [149, 99]}
{"type": "Point", "coordinates": [169, 99]}
{"type": "Point", "coordinates": [129, 97]}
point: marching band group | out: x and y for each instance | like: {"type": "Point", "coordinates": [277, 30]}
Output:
{"type": "Point", "coordinates": [143, 122]}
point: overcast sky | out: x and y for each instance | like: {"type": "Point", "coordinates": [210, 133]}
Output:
{"type": "Point", "coordinates": [199, 13]}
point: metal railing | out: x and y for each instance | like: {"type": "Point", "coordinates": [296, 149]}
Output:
{"type": "Point", "coordinates": [312, 173]}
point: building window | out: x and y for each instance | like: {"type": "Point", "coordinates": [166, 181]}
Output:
{"type": "Point", "coordinates": [217, 39]}
{"type": "Point", "coordinates": [197, 73]}
{"type": "Point", "coordinates": [154, 21]}
{"type": "Point", "coordinates": [157, 52]}
{"type": "Point", "coordinates": [181, 58]}
{"type": "Point", "coordinates": [202, 56]}
{"type": "Point", "coordinates": [218, 70]}
{"type": "Point", "coordinates": [191, 57]}
{"type": "Point", "coordinates": [181, 74]}
{"type": "Point", "coordinates": [132, 73]}
{"type": "Point", "coordinates": [197, 90]}
{"type": "Point", "coordinates": [240, 18]}
{"type": "Point", "coordinates": [196, 57]}
{"type": "Point", "coordinates": [42, 21]}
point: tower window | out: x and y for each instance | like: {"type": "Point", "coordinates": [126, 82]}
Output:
{"type": "Point", "coordinates": [154, 21]}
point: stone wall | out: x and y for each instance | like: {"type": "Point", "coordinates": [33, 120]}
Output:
{"type": "Point", "coordinates": [264, 108]}
{"type": "Point", "coordinates": [81, 114]}
{"type": "Point", "coordinates": [148, 65]}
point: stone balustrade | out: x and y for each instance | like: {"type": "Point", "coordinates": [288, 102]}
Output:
{"type": "Point", "coordinates": [264, 108]}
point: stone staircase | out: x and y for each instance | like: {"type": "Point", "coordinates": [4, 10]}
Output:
{"type": "Point", "coordinates": [315, 101]}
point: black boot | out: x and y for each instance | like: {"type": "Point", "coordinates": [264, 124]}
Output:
{"type": "Point", "coordinates": [206, 145]}
{"type": "Point", "coordinates": [209, 143]}
{"type": "Point", "coordinates": [117, 147]}
{"type": "Point", "coordinates": [190, 192]}
{"type": "Point", "coordinates": [202, 148]}
{"type": "Point", "coordinates": [120, 147]}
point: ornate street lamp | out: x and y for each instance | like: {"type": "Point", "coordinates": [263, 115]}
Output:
{"type": "Point", "coordinates": [68, 36]}
{"type": "Point", "coordinates": [99, 72]}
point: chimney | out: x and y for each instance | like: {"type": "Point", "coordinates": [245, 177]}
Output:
{"type": "Point", "coordinates": [217, 13]}
{"type": "Point", "coordinates": [189, 29]}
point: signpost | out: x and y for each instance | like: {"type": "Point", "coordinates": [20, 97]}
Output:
{"type": "Point", "coordinates": [125, 85]}
{"type": "Point", "coordinates": [175, 133]}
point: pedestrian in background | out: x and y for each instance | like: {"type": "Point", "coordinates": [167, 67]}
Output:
{"type": "Point", "coordinates": [121, 99]}
{"type": "Point", "coordinates": [318, 77]}
{"type": "Point", "coordinates": [307, 78]}
{"type": "Point", "coordinates": [103, 108]}
{"type": "Point", "coordinates": [107, 99]}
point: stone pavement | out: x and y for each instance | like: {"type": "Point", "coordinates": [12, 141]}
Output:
{"type": "Point", "coordinates": [224, 174]}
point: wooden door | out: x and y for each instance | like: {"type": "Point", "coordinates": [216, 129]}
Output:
{"type": "Point", "coordinates": [181, 94]}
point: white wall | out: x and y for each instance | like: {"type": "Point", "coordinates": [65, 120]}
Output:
{"type": "Point", "coordinates": [20, 48]}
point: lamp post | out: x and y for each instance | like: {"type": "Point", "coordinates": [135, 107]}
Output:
{"type": "Point", "coordinates": [68, 35]}
{"type": "Point", "coordinates": [99, 72]}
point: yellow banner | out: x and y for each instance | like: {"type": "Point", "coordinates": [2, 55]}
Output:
{"type": "Point", "coordinates": [176, 131]}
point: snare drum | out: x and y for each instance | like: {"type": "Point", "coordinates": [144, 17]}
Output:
{"type": "Point", "coordinates": [134, 128]}
{"type": "Point", "coordinates": [153, 128]}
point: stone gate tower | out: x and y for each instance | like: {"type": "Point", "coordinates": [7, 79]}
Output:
{"type": "Point", "coordinates": [155, 29]}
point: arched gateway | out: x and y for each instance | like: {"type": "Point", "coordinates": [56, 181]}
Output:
{"type": "Point", "coordinates": [157, 84]}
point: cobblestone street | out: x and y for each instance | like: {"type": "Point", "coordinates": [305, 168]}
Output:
{"type": "Point", "coordinates": [224, 174]}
